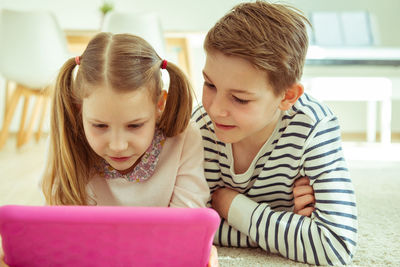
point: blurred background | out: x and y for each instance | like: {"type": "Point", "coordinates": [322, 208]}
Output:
{"type": "Point", "coordinates": [353, 63]}
{"type": "Point", "coordinates": [355, 38]}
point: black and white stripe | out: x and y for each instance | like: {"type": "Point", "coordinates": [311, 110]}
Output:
{"type": "Point", "coordinates": [306, 143]}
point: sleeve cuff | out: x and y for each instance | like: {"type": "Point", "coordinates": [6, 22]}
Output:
{"type": "Point", "coordinates": [239, 215]}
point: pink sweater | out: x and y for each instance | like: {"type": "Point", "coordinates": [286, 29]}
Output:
{"type": "Point", "coordinates": [178, 180]}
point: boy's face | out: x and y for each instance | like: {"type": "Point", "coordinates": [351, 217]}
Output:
{"type": "Point", "coordinates": [239, 99]}
{"type": "Point", "coordinates": [119, 126]}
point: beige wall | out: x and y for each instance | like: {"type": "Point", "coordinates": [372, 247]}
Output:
{"type": "Point", "coordinates": [385, 13]}
{"type": "Point", "coordinates": [200, 15]}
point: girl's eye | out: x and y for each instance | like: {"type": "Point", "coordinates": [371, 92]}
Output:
{"type": "Point", "coordinates": [135, 126]}
{"type": "Point", "coordinates": [240, 101]}
{"type": "Point", "coordinates": [100, 126]}
{"type": "Point", "coordinates": [209, 85]}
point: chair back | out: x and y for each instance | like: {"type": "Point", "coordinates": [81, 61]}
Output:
{"type": "Point", "coordinates": [145, 25]}
{"type": "Point", "coordinates": [32, 49]}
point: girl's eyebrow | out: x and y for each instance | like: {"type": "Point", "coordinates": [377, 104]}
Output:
{"type": "Point", "coordinates": [129, 122]}
{"type": "Point", "coordinates": [94, 120]}
{"type": "Point", "coordinates": [238, 91]}
{"type": "Point", "coordinates": [139, 120]}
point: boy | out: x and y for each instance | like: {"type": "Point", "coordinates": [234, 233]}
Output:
{"type": "Point", "coordinates": [261, 133]}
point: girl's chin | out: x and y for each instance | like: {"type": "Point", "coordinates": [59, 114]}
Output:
{"type": "Point", "coordinates": [124, 169]}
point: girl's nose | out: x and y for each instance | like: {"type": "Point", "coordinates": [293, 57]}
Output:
{"type": "Point", "coordinates": [118, 143]}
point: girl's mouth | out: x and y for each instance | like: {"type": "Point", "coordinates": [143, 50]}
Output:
{"type": "Point", "coordinates": [120, 159]}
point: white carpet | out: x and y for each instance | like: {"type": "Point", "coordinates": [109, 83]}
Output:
{"type": "Point", "coordinates": [376, 181]}
{"type": "Point", "coordinates": [377, 186]}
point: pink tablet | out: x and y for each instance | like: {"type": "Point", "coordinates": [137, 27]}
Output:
{"type": "Point", "coordinates": [106, 236]}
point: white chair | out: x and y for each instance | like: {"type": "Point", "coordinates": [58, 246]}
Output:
{"type": "Point", "coordinates": [32, 50]}
{"type": "Point", "coordinates": [145, 25]}
{"type": "Point", "coordinates": [369, 89]}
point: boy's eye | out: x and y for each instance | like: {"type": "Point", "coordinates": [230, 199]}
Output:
{"type": "Point", "coordinates": [210, 85]}
{"type": "Point", "coordinates": [240, 101]}
{"type": "Point", "coordinates": [100, 126]}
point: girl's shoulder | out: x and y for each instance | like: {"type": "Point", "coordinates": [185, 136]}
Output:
{"type": "Point", "coordinates": [190, 134]}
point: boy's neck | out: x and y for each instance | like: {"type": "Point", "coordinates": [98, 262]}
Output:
{"type": "Point", "coordinates": [247, 149]}
{"type": "Point", "coordinates": [257, 140]}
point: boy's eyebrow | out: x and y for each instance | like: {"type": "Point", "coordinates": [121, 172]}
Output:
{"type": "Point", "coordinates": [205, 76]}
{"type": "Point", "coordinates": [238, 91]}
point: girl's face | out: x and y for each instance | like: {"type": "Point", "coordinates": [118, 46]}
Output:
{"type": "Point", "coordinates": [239, 99]}
{"type": "Point", "coordinates": [119, 127]}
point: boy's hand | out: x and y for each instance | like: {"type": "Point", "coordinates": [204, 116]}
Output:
{"type": "Point", "coordinates": [303, 192]}
{"type": "Point", "coordinates": [222, 199]}
{"type": "Point", "coordinates": [213, 261]}
{"type": "Point", "coordinates": [304, 198]}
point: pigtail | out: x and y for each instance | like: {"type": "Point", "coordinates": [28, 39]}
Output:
{"type": "Point", "coordinates": [64, 179]}
{"type": "Point", "coordinates": [178, 108]}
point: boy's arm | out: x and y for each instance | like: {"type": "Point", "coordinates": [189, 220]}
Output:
{"type": "Point", "coordinates": [329, 236]}
{"type": "Point", "coordinates": [227, 235]}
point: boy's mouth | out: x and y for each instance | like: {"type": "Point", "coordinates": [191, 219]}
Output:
{"type": "Point", "coordinates": [224, 126]}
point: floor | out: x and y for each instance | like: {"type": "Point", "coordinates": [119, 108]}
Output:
{"type": "Point", "coordinates": [20, 173]}
{"type": "Point", "coordinates": [375, 171]}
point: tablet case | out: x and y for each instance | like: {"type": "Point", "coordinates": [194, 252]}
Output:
{"type": "Point", "coordinates": [106, 236]}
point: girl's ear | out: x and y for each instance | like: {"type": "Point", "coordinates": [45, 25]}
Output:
{"type": "Point", "coordinates": [161, 101]}
{"type": "Point", "coordinates": [291, 96]}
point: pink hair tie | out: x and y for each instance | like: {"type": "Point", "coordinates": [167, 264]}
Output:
{"type": "Point", "coordinates": [164, 64]}
{"type": "Point", "coordinates": [78, 60]}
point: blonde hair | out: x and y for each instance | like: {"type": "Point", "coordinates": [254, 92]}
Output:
{"type": "Point", "coordinates": [124, 63]}
{"type": "Point", "coordinates": [272, 37]}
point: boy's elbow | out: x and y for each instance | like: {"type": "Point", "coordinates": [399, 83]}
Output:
{"type": "Point", "coordinates": [345, 257]}
{"type": "Point", "coordinates": [351, 249]}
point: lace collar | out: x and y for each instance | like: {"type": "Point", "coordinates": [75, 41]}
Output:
{"type": "Point", "coordinates": [144, 169]}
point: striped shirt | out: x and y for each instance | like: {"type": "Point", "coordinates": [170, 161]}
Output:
{"type": "Point", "coordinates": [305, 142]}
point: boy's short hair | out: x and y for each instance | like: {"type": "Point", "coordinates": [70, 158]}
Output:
{"type": "Point", "coordinates": [272, 37]}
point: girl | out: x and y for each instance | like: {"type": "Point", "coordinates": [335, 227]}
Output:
{"type": "Point", "coordinates": [117, 138]}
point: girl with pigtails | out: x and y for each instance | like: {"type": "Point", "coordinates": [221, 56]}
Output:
{"type": "Point", "coordinates": [116, 137]}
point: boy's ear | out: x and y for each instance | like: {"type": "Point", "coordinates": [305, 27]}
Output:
{"type": "Point", "coordinates": [161, 101]}
{"type": "Point", "coordinates": [291, 96]}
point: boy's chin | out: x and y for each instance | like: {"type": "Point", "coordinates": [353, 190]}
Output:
{"type": "Point", "coordinates": [225, 138]}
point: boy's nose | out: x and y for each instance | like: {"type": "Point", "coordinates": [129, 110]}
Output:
{"type": "Point", "coordinates": [218, 107]}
